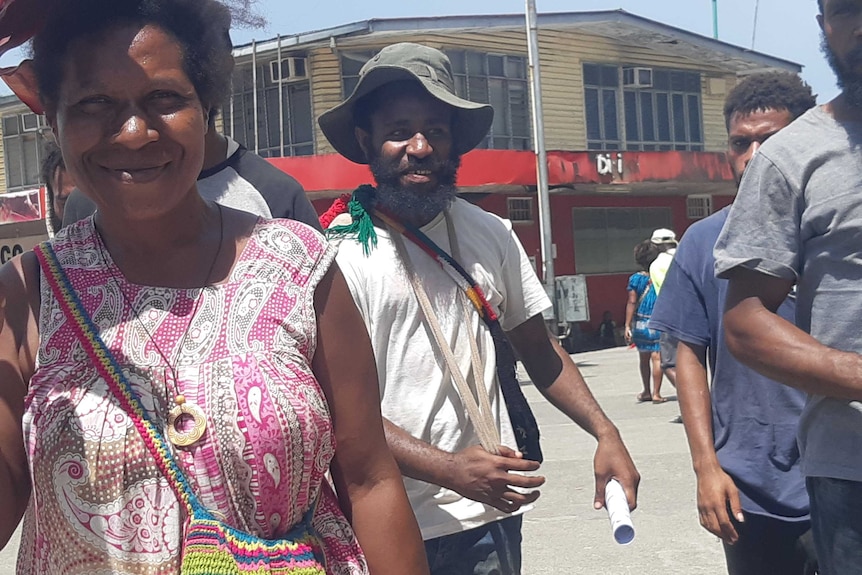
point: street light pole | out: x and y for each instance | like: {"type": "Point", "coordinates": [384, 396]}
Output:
{"type": "Point", "coordinates": [539, 146]}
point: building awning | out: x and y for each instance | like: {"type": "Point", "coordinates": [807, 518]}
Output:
{"type": "Point", "coordinates": [666, 173]}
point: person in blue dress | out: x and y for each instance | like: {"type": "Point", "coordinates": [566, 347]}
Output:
{"type": "Point", "coordinates": [641, 299]}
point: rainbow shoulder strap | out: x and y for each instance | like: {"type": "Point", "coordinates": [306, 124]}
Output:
{"type": "Point", "coordinates": [110, 370]}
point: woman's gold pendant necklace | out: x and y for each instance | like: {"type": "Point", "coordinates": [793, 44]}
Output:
{"type": "Point", "coordinates": [181, 432]}
{"type": "Point", "coordinates": [192, 431]}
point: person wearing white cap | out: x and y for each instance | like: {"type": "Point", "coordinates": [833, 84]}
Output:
{"type": "Point", "coordinates": [665, 239]}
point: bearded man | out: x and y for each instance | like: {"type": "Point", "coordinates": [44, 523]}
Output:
{"type": "Point", "coordinates": [798, 220]}
{"type": "Point", "coordinates": [438, 281]}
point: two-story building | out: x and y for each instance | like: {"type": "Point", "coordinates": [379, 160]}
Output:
{"type": "Point", "coordinates": [633, 124]}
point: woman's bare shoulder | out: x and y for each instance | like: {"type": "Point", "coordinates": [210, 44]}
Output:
{"type": "Point", "coordinates": [19, 278]}
{"type": "Point", "coordinates": [19, 304]}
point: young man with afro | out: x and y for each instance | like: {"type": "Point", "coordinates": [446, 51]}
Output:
{"type": "Point", "coordinates": [742, 429]}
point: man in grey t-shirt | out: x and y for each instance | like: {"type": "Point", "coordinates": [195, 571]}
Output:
{"type": "Point", "coordinates": [798, 220]}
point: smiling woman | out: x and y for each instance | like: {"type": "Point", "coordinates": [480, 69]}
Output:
{"type": "Point", "coordinates": [130, 122]}
{"type": "Point", "coordinates": [225, 369]}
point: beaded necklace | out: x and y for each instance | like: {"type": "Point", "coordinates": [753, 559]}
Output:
{"type": "Point", "coordinates": [182, 407]}
{"type": "Point", "coordinates": [449, 264]}
{"type": "Point", "coordinates": [360, 207]}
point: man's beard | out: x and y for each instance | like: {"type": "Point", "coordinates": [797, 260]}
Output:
{"type": "Point", "coordinates": [413, 203]}
{"type": "Point", "coordinates": [848, 80]}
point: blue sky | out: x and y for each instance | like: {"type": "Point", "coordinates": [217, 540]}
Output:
{"type": "Point", "coordinates": [785, 28]}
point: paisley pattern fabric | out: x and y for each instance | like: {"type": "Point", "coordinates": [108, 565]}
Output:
{"type": "Point", "coordinates": [241, 351]}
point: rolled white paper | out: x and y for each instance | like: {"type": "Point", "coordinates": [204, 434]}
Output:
{"type": "Point", "coordinates": [618, 512]}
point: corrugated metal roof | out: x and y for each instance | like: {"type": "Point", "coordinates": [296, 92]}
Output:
{"type": "Point", "coordinates": [616, 24]}
{"type": "Point", "coordinates": [10, 100]}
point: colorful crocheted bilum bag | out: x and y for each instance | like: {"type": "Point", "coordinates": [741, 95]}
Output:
{"type": "Point", "coordinates": [210, 547]}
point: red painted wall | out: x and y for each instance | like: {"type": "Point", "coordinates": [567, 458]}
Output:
{"type": "Point", "coordinates": [719, 202]}
{"type": "Point", "coordinates": [604, 291]}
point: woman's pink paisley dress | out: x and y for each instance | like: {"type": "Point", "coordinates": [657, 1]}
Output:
{"type": "Point", "coordinates": [99, 504]}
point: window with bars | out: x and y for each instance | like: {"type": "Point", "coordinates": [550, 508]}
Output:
{"type": "Point", "coordinates": [520, 210]}
{"type": "Point", "coordinates": [351, 63]}
{"type": "Point", "coordinates": [22, 150]}
{"type": "Point", "coordinates": [663, 115]}
{"type": "Point", "coordinates": [698, 206]}
{"type": "Point", "coordinates": [296, 126]}
{"type": "Point", "coordinates": [601, 89]}
{"type": "Point", "coordinates": [499, 80]}
{"type": "Point", "coordinates": [605, 238]}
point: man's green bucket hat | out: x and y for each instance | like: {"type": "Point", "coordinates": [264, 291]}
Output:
{"type": "Point", "coordinates": [407, 61]}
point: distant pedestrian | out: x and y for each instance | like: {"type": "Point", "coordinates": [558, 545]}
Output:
{"type": "Point", "coordinates": [607, 330]}
{"type": "Point", "coordinates": [665, 239]}
{"type": "Point", "coordinates": [639, 306]}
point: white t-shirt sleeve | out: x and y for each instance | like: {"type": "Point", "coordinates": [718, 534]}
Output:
{"type": "Point", "coordinates": [345, 259]}
{"type": "Point", "coordinates": [524, 295]}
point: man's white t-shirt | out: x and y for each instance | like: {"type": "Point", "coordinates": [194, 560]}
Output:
{"type": "Point", "coordinates": [417, 392]}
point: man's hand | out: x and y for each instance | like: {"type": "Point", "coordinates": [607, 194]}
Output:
{"type": "Point", "coordinates": [557, 378]}
{"type": "Point", "coordinates": [612, 461]}
{"type": "Point", "coordinates": [486, 478]}
{"type": "Point", "coordinates": [715, 493]}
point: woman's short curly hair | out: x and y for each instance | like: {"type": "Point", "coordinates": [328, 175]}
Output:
{"type": "Point", "coordinates": [201, 27]}
{"type": "Point", "coordinates": [645, 253]}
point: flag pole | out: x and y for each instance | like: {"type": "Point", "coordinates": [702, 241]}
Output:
{"type": "Point", "coordinates": [539, 145]}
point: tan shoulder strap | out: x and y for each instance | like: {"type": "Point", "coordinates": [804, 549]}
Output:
{"type": "Point", "coordinates": [479, 411]}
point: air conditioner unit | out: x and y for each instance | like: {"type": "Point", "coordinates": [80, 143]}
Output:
{"type": "Point", "coordinates": [698, 206]}
{"type": "Point", "coordinates": [288, 70]}
{"type": "Point", "coordinates": [637, 77]}
{"type": "Point", "coordinates": [32, 122]}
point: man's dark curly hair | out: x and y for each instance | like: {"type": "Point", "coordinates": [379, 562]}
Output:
{"type": "Point", "coordinates": [52, 159]}
{"type": "Point", "coordinates": [201, 27]}
{"type": "Point", "coordinates": [820, 5]}
{"type": "Point", "coordinates": [769, 91]}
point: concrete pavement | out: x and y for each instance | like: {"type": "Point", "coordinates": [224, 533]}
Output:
{"type": "Point", "coordinates": [564, 535]}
